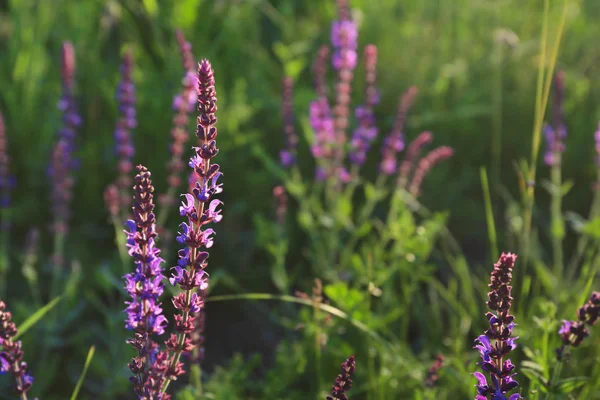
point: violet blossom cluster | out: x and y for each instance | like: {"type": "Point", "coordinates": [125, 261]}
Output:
{"type": "Point", "coordinates": [11, 354]}
{"type": "Point", "coordinates": [183, 104]}
{"type": "Point", "coordinates": [145, 286]}
{"type": "Point", "coordinates": [125, 95]}
{"type": "Point", "coordinates": [344, 38]}
{"type": "Point", "coordinates": [288, 155]}
{"type": "Point", "coordinates": [433, 373]}
{"type": "Point", "coordinates": [343, 382]}
{"type": "Point", "coordinates": [394, 142]}
{"type": "Point", "coordinates": [572, 333]}
{"type": "Point", "coordinates": [62, 162]}
{"type": "Point", "coordinates": [556, 133]}
{"type": "Point", "coordinates": [366, 131]}
{"type": "Point", "coordinates": [200, 209]}
{"type": "Point", "coordinates": [496, 344]}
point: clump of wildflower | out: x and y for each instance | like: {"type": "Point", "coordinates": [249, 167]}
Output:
{"type": "Point", "coordinates": [412, 154]}
{"type": "Point", "coordinates": [572, 333]}
{"type": "Point", "coordinates": [145, 286]}
{"type": "Point", "coordinates": [343, 382]}
{"type": "Point", "coordinates": [433, 374]}
{"type": "Point", "coordinates": [394, 142]}
{"type": "Point", "coordinates": [125, 95]}
{"type": "Point", "coordinates": [6, 180]}
{"type": "Point", "coordinates": [183, 104]}
{"type": "Point", "coordinates": [366, 131]}
{"type": "Point", "coordinates": [200, 209]}
{"type": "Point", "coordinates": [556, 133]}
{"type": "Point", "coordinates": [11, 356]}
{"type": "Point", "coordinates": [62, 161]}
{"type": "Point", "coordinates": [495, 345]}
{"type": "Point", "coordinates": [429, 161]}
{"type": "Point", "coordinates": [288, 156]}
{"type": "Point", "coordinates": [344, 38]}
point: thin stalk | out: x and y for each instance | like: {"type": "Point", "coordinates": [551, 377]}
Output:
{"type": "Point", "coordinates": [489, 214]}
{"type": "Point", "coordinates": [58, 260]}
{"type": "Point", "coordinates": [306, 302]}
{"type": "Point", "coordinates": [317, 344]}
{"type": "Point", "coordinates": [541, 103]}
{"type": "Point", "coordinates": [497, 114]}
{"type": "Point", "coordinates": [558, 230]}
{"type": "Point", "coordinates": [196, 379]}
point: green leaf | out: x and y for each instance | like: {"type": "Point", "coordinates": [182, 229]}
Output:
{"type": "Point", "coordinates": [88, 361]}
{"type": "Point", "coordinates": [568, 385]}
{"type": "Point", "coordinates": [29, 322]}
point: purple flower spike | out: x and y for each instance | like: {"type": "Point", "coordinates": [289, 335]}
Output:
{"type": "Point", "coordinates": [556, 133]}
{"type": "Point", "coordinates": [11, 356]}
{"type": "Point", "coordinates": [288, 156]}
{"type": "Point", "coordinates": [200, 209]}
{"type": "Point", "coordinates": [344, 35]}
{"type": "Point", "coordinates": [394, 142]}
{"type": "Point", "coordinates": [145, 286]}
{"type": "Point", "coordinates": [414, 150]}
{"type": "Point", "coordinates": [434, 157]}
{"type": "Point", "coordinates": [125, 150]}
{"type": "Point", "coordinates": [366, 131]}
{"type": "Point", "coordinates": [62, 162]}
{"type": "Point", "coordinates": [573, 333]}
{"type": "Point", "coordinates": [497, 342]}
{"type": "Point", "coordinates": [183, 104]}
{"type": "Point", "coordinates": [343, 382]}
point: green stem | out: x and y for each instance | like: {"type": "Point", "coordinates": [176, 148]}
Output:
{"type": "Point", "coordinates": [557, 220]}
{"type": "Point", "coordinates": [58, 262]}
{"type": "Point", "coordinates": [489, 214]}
{"type": "Point", "coordinates": [306, 302]}
{"type": "Point", "coordinates": [555, 377]}
{"type": "Point", "coordinates": [196, 379]}
{"type": "Point", "coordinates": [497, 115]}
{"type": "Point", "coordinates": [541, 103]}
{"type": "Point", "coordinates": [317, 344]}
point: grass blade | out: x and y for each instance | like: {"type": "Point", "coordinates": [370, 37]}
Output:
{"type": "Point", "coordinates": [88, 361]}
{"type": "Point", "coordinates": [29, 322]}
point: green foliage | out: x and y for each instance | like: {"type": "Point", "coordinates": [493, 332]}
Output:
{"type": "Point", "coordinates": [399, 283]}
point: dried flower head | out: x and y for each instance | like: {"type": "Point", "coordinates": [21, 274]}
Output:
{"type": "Point", "coordinates": [433, 372]}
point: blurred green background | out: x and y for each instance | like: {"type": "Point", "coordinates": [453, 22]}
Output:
{"type": "Point", "coordinates": [474, 62]}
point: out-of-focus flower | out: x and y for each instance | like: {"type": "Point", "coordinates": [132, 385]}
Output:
{"type": "Point", "coordinates": [125, 150]}
{"type": "Point", "coordinates": [288, 155]}
{"type": "Point", "coordinates": [394, 142]}
{"type": "Point", "coordinates": [556, 133]}
{"type": "Point", "coordinates": [429, 161]}
{"type": "Point", "coordinates": [366, 131]}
